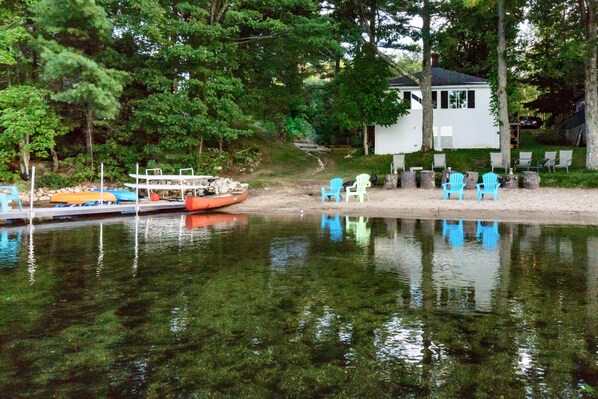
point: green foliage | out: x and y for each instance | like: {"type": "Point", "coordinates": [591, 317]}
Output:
{"type": "Point", "coordinates": [55, 181]}
{"type": "Point", "coordinates": [28, 124]}
{"type": "Point", "coordinates": [299, 128]}
{"type": "Point", "coordinates": [363, 96]}
{"type": "Point", "coordinates": [83, 81]}
{"type": "Point", "coordinates": [81, 24]}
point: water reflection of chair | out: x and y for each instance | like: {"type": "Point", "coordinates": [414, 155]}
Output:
{"type": "Point", "coordinates": [488, 234]}
{"type": "Point", "coordinates": [359, 228]}
{"type": "Point", "coordinates": [9, 250]}
{"type": "Point", "coordinates": [454, 232]}
{"type": "Point", "coordinates": [334, 225]}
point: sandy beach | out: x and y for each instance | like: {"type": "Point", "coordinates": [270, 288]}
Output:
{"type": "Point", "coordinates": [543, 205]}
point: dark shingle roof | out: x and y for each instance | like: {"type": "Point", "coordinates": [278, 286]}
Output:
{"type": "Point", "coordinates": [440, 77]}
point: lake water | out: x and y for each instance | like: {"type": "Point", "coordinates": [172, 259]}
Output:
{"type": "Point", "coordinates": [198, 306]}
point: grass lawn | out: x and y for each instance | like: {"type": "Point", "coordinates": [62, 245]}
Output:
{"type": "Point", "coordinates": [282, 162]}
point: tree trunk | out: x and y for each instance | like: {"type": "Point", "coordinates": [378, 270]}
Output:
{"type": "Point", "coordinates": [503, 105]}
{"type": "Point", "coordinates": [54, 159]}
{"type": "Point", "coordinates": [89, 134]}
{"type": "Point", "coordinates": [365, 139]}
{"type": "Point", "coordinates": [25, 156]}
{"type": "Point", "coordinates": [426, 82]}
{"type": "Point", "coordinates": [591, 84]}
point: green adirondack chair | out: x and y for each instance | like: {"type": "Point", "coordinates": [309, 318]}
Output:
{"type": "Point", "coordinates": [358, 188]}
{"type": "Point", "coordinates": [489, 185]}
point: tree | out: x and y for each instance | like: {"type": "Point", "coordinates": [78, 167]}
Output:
{"type": "Point", "coordinates": [29, 125]}
{"type": "Point", "coordinates": [363, 96]}
{"type": "Point", "coordinates": [80, 81]}
{"type": "Point", "coordinates": [554, 60]}
{"type": "Point", "coordinates": [74, 33]}
{"type": "Point", "coordinates": [503, 104]}
{"type": "Point", "coordinates": [426, 79]}
{"type": "Point", "coordinates": [501, 67]}
{"type": "Point", "coordinates": [589, 12]}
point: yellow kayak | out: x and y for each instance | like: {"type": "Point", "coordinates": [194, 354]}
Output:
{"type": "Point", "coordinates": [82, 197]}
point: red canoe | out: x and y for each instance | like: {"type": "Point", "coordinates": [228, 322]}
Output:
{"type": "Point", "coordinates": [214, 201]}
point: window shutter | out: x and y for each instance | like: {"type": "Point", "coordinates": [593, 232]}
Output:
{"type": "Point", "coordinates": [444, 99]}
{"type": "Point", "coordinates": [470, 99]}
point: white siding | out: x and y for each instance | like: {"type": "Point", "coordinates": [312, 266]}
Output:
{"type": "Point", "coordinates": [471, 127]}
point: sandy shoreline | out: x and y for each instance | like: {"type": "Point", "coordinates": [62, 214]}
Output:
{"type": "Point", "coordinates": [544, 205]}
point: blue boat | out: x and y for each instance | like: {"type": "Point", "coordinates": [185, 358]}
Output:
{"type": "Point", "coordinates": [121, 195]}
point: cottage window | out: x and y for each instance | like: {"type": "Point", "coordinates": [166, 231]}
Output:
{"type": "Point", "coordinates": [456, 99]}
{"type": "Point", "coordinates": [435, 99]}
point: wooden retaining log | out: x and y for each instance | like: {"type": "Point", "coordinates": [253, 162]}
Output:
{"type": "Point", "coordinates": [471, 179]}
{"type": "Point", "coordinates": [531, 180]}
{"type": "Point", "coordinates": [408, 180]}
{"type": "Point", "coordinates": [510, 181]}
{"type": "Point", "coordinates": [427, 179]}
{"type": "Point", "coordinates": [391, 181]}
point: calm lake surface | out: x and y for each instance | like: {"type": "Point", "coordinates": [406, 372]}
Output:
{"type": "Point", "coordinates": [198, 306]}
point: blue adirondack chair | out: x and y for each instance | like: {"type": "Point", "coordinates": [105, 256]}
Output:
{"type": "Point", "coordinates": [358, 188]}
{"type": "Point", "coordinates": [489, 185]}
{"type": "Point", "coordinates": [334, 190]}
{"type": "Point", "coordinates": [6, 198]}
{"type": "Point", "coordinates": [454, 232]}
{"type": "Point", "coordinates": [455, 185]}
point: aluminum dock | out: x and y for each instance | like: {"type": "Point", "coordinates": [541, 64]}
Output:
{"type": "Point", "coordinates": [45, 213]}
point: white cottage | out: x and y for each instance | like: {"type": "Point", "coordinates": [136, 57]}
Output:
{"type": "Point", "coordinates": [462, 115]}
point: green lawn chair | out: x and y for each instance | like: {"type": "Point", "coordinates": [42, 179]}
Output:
{"type": "Point", "coordinates": [6, 198]}
{"type": "Point", "coordinates": [455, 185]}
{"type": "Point", "coordinates": [358, 188]}
{"type": "Point", "coordinates": [334, 190]}
{"type": "Point", "coordinates": [489, 185]}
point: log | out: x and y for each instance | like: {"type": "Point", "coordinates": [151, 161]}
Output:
{"type": "Point", "coordinates": [427, 179]}
{"type": "Point", "coordinates": [408, 180]}
{"type": "Point", "coordinates": [391, 181]}
{"type": "Point", "coordinates": [445, 175]}
{"type": "Point", "coordinates": [510, 181]}
{"type": "Point", "coordinates": [531, 180]}
{"type": "Point", "coordinates": [471, 179]}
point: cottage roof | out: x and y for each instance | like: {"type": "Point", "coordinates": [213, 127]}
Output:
{"type": "Point", "coordinates": [440, 77]}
